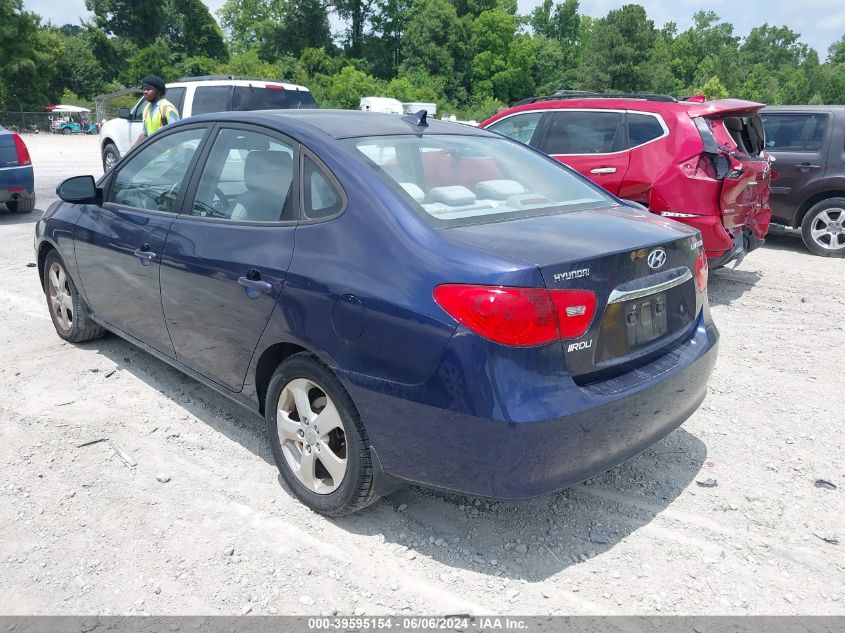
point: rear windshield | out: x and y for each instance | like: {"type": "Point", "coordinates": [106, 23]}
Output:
{"type": "Point", "coordinates": [470, 179]}
{"type": "Point", "coordinates": [8, 151]}
{"type": "Point", "coordinates": [250, 98]}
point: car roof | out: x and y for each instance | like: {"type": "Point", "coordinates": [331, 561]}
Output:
{"type": "Point", "coordinates": [803, 108]}
{"type": "Point", "coordinates": [258, 83]}
{"type": "Point", "coordinates": [341, 124]}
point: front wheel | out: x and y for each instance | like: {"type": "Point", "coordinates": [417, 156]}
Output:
{"type": "Point", "coordinates": [66, 131]}
{"type": "Point", "coordinates": [110, 156]}
{"type": "Point", "coordinates": [823, 228]}
{"type": "Point", "coordinates": [318, 442]}
{"type": "Point", "coordinates": [67, 309]}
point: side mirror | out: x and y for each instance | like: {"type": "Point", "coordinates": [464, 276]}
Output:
{"type": "Point", "coordinates": [124, 113]}
{"type": "Point", "coordinates": [80, 190]}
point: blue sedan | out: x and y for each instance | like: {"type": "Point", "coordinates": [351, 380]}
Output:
{"type": "Point", "coordinates": [405, 301]}
{"type": "Point", "coordinates": [17, 185]}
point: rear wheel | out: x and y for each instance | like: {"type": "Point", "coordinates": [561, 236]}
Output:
{"type": "Point", "coordinates": [68, 311]}
{"type": "Point", "coordinates": [66, 131]}
{"type": "Point", "coordinates": [823, 228]}
{"type": "Point", "coordinates": [110, 156]}
{"type": "Point", "coordinates": [24, 205]}
{"type": "Point", "coordinates": [318, 441]}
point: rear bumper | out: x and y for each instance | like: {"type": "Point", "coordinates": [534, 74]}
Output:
{"type": "Point", "coordinates": [540, 433]}
{"type": "Point", "coordinates": [16, 183]}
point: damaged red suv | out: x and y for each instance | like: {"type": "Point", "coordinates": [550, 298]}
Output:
{"type": "Point", "coordinates": [699, 162]}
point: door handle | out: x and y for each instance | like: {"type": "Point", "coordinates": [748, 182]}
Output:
{"type": "Point", "coordinates": [145, 254]}
{"type": "Point", "coordinates": [809, 166]}
{"type": "Point", "coordinates": [253, 284]}
{"type": "Point", "coordinates": [603, 170]}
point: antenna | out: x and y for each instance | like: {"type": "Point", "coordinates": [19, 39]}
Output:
{"type": "Point", "coordinates": [417, 119]}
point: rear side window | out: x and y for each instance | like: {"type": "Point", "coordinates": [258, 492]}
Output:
{"type": "Point", "coordinates": [643, 128]}
{"type": "Point", "coordinates": [251, 98]}
{"type": "Point", "coordinates": [519, 126]}
{"type": "Point", "coordinates": [794, 132]}
{"type": "Point", "coordinates": [321, 198]}
{"type": "Point", "coordinates": [210, 99]}
{"type": "Point", "coordinates": [581, 132]}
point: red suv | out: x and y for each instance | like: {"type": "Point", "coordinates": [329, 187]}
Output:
{"type": "Point", "coordinates": [699, 162]}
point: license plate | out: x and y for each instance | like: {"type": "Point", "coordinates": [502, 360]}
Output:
{"type": "Point", "coordinates": [645, 319]}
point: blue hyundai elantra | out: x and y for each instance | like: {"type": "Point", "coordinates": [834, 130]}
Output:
{"type": "Point", "coordinates": [405, 301]}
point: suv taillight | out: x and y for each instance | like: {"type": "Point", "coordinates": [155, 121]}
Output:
{"type": "Point", "coordinates": [521, 317]}
{"type": "Point", "coordinates": [23, 152]}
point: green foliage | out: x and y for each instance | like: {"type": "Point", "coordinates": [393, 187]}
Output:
{"type": "Point", "coordinates": [468, 56]}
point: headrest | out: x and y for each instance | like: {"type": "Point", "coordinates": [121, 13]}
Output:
{"type": "Point", "coordinates": [268, 170]}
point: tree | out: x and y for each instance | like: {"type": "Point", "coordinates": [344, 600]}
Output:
{"type": "Point", "coordinates": [140, 21]}
{"type": "Point", "coordinates": [619, 49]}
{"type": "Point", "coordinates": [436, 42]}
{"type": "Point", "coordinates": [194, 32]}
{"type": "Point", "coordinates": [240, 19]}
{"type": "Point", "coordinates": [29, 72]}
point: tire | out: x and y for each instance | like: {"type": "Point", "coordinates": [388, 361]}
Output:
{"type": "Point", "coordinates": [25, 205]}
{"type": "Point", "coordinates": [823, 228]}
{"type": "Point", "coordinates": [110, 156]}
{"type": "Point", "coordinates": [70, 315]}
{"type": "Point", "coordinates": [303, 381]}
{"type": "Point", "coordinates": [66, 131]}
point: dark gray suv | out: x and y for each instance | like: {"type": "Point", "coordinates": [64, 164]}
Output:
{"type": "Point", "coordinates": [808, 175]}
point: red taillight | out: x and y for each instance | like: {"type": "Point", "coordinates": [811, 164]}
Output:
{"type": "Point", "coordinates": [23, 152]}
{"type": "Point", "coordinates": [518, 316]}
{"type": "Point", "coordinates": [274, 87]}
{"type": "Point", "coordinates": [575, 310]}
{"type": "Point", "coordinates": [701, 271]}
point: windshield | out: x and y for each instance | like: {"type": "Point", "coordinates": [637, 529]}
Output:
{"type": "Point", "coordinates": [454, 179]}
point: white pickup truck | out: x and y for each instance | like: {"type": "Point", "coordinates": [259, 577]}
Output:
{"type": "Point", "coordinates": [200, 95]}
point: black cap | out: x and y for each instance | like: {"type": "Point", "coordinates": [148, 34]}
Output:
{"type": "Point", "coordinates": [156, 82]}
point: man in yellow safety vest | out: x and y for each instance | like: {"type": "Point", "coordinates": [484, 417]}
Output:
{"type": "Point", "coordinates": [159, 111]}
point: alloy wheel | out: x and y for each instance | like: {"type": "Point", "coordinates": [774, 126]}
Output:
{"type": "Point", "coordinates": [312, 436]}
{"type": "Point", "coordinates": [61, 301]}
{"type": "Point", "coordinates": [828, 229]}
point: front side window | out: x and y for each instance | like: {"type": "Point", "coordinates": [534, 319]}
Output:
{"type": "Point", "coordinates": [584, 132]}
{"type": "Point", "coordinates": [210, 99]}
{"type": "Point", "coordinates": [247, 177]}
{"type": "Point", "coordinates": [794, 132]}
{"type": "Point", "coordinates": [471, 179]}
{"type": "Point", "coordinates": [153, 179]}
{"type": "Point", "coordinates": [519, 126]}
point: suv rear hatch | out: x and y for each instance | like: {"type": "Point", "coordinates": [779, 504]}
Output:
{"type": "Point", "coordinates": [734, 142]}
{"type": "Point", "coordinates": [647, 276]}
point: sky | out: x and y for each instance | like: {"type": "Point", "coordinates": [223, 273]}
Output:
{"type": "Point", "coordinates": [820, 22]}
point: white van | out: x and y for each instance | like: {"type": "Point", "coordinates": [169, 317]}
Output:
{"type": "Point", "coordinates": [380, 104]}
{"type": "Point", "coordinates": [200, 95]}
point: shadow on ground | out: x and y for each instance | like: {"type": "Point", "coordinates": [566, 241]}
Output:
{"type": "Point", "coordinates": [528, 540]}
{"type": "Point", "coordinates": [726, 285]}
{"type": "Point", "coordinates": [8, 218]}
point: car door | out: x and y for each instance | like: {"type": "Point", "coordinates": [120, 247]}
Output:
{"type": "Point", "coordinates": [590, 141]}
{"type": "Point", "coordinates": [798, 142]}
{"type": "Point", "coordinates": [119, 243]}
{"type": "Point", "coordinates": [226, 257]}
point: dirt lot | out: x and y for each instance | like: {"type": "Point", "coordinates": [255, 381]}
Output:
{"type": "Point", "coordinates": [81, 532]}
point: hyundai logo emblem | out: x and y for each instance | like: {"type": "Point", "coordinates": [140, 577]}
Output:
{"type": "Point", "coordinates": [656, 258]}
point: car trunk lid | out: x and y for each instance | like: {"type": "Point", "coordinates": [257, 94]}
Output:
{"type": "Point", "coordinates": [641, 268]}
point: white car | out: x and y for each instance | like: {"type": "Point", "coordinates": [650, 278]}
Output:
{"type": "Point", "coordinates": [201, 95]}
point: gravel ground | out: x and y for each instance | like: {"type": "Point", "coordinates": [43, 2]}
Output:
{"type": "Point", "coordinates": [81, 532]}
